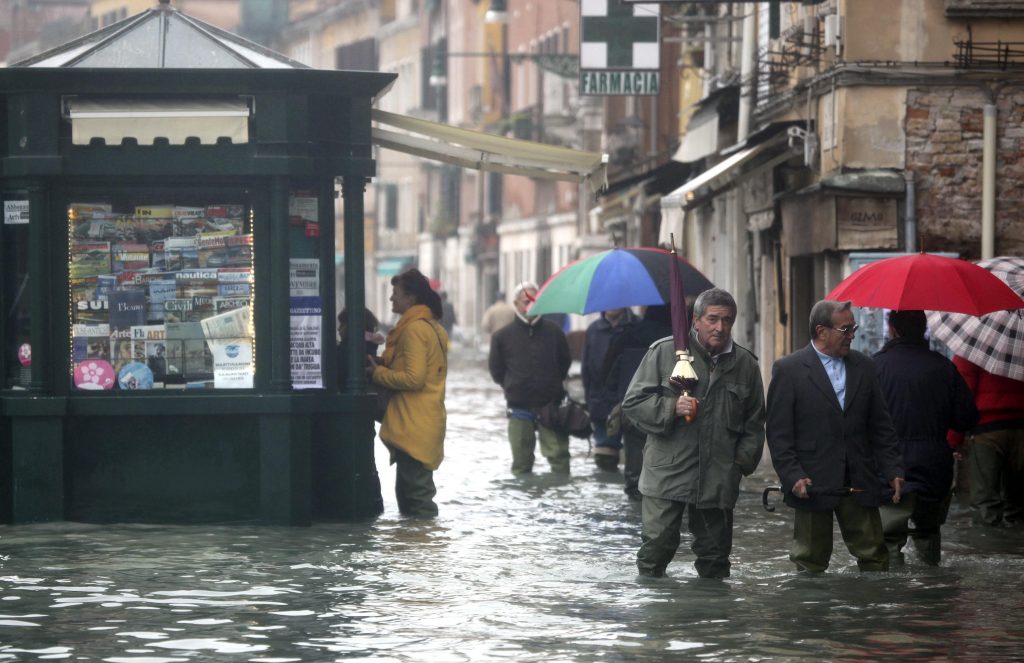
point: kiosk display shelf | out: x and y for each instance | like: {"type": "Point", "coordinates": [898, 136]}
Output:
{"type": "Point", "coordinates": [161, 296]}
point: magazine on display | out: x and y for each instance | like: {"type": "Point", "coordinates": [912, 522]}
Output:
{"type": "Point", "coordinates": [90, 341]}
{"type": "Point", "coordinates": [89, 259]}
{"type": "Point", "coordinates": [181, 253]}
{"type": "Point", "coordinates": [130, 257]}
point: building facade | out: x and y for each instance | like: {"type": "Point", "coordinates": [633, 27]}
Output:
{"type": "Point", "coordinates": [851, 131]}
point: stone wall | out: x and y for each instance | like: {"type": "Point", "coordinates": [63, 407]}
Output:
{"type": "Point", "coordinates": [944, 151]}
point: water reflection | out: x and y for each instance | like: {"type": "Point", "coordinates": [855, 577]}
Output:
{"type": "Point", "coordinates": [537, 569]}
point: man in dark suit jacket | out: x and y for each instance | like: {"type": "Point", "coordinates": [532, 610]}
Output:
{"type": "Point", "coordinates": [831, 439]}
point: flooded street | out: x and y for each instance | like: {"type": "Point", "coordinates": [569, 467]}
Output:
{"type": "Point", "coordinates": [540, 569]}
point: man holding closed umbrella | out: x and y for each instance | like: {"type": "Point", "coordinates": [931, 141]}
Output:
{"type": "Point", "coordinates": [698, 446]}
{"type": "Point", "coordinates": [831, 438]}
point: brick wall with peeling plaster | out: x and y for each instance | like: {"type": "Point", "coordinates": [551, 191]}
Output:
{"type": "Point", "coordinates": [944, 150]}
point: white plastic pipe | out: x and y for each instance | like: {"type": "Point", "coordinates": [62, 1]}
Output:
{"type": "Point", "coordinates": [988, 185]}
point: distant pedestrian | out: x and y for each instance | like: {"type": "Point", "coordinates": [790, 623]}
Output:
{"type": "Point", "coordinates": [829, 431]}
{"type": "Point", "coordinates": [497, 315]}
{"type": "Point", "coordinates": [372, 339]}
{"type": "Point", "coordinates": [530, 359]}
{"type": "Point", "coordinates": [448, 319]}
{"type": "Point", "coordinates": [624, 356]}
{"type": "Point", "coordinates": [926, 398]}
{"type": "Point", "coordinates": [414, 368]}
{"type": "Point", "coordinates": [601, 394]}
{"type": "Point", "coordinates": [694, 467]}
{"type": "Point", "coordinates": [995, 449]}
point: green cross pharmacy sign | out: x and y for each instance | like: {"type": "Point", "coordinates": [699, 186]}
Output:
{"type": "Point", "coordinates": [619, 48]}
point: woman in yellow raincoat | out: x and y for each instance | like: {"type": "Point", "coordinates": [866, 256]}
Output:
{"type": "Point", "coordinates": [414, 367]}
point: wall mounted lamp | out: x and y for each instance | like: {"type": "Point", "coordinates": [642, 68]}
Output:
{"type": "Point", "coordinates": [498, 13]}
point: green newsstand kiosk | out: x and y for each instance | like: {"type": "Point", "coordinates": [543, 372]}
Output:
{"type": "Point", "coordinates": [168, 343]}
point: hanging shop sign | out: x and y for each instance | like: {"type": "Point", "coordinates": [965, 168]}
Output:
{"type": "Point", "coordinates": [619, 48]}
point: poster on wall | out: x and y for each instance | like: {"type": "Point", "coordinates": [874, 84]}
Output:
{"type": "Point", "coordinates": [15, 212]}
{"type": "Point", "coordinates": [303, 210]}
{"type": "Point", "coordinates": [304, 277]}
{"type": "Point", "coordinates": [306, 316]}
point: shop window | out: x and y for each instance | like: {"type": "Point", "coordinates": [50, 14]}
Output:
{"type": "Point", "coordinates": [160, 294]}
{"type": "Point", "coordinates": [17, 351]}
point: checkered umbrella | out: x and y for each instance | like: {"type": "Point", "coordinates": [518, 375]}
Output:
{"type": "Point", "coordinates": [994, 341]}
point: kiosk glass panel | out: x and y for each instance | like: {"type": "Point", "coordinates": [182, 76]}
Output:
{"type": "Point", "coordinates": [161, 293]}
{"type": "Point", "coordinates": [17, 316]}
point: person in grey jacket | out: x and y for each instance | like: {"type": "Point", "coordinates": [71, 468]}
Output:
{"type": "Point", "coordinates": [696, 467]}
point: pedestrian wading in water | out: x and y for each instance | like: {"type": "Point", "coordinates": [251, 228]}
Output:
{"type": "Point", "coordinates": [414, 366]}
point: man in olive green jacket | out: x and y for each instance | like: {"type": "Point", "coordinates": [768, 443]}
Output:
{"type": "Point", "coordinates": [696, 467]}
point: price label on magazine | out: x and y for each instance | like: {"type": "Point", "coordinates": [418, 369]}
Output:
{"type": "Point", "coordinates": [15, 212]}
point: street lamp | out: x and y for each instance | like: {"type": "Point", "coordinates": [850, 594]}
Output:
{"type": "Point", "coordinates": [498, 13]}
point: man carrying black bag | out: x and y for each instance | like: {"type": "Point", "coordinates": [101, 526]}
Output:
{"type": "Point", "coordinates": [530, 359]}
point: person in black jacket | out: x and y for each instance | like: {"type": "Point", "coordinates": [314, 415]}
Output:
{"type": "Point", "coordinates": [625, 353]}
{"type": "Point", "coordinates": [830, 437]}
{"type": "Point", "coordinates": [602, 394]}
{"type": "Point", "coordinates": [530, 359]}
{"type": "Point", "coordinates": [926, 397]}
{"type": "Point", "coordinates": [371, 335]}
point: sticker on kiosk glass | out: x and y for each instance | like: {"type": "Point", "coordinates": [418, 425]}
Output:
{"type": "Point", "coordinates": [94, 375]}
{"type": "Point", "coordinates": [25, 354]}
{"type": "Point", "coordinates": [135, 375]}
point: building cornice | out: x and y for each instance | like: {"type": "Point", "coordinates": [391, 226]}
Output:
{"type": "Point", "coordinates": [889, 74]}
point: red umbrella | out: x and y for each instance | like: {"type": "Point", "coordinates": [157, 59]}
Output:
{"type": "Point", "coordinates": [927, 282]}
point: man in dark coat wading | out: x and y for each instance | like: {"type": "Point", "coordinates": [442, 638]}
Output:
{"type": "Point", "coordinates": [829, 432]}
{"type": "Point", "coordinates": [926, 397]}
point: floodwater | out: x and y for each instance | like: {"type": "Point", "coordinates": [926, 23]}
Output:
{"type": "Point", "coordinates": [539, 569]}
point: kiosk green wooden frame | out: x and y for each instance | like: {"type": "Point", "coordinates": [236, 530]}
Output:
{"type": "Point", "coordinates": [267, 453]}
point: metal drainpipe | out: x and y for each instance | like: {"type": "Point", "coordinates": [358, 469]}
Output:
{"type": "Point", "coordinates": [747, 71]}
{"type": "Point", "coordinates": [988, 185]}
{"type": "Point", "coordinates": [910, 216]}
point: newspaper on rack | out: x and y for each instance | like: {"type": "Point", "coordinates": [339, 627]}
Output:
{"type": "Point", "coordinates": [228, 337]}
{"type": "Point", "coordinates": [227, 325]}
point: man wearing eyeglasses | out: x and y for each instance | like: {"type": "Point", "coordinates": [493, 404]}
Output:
{"type": "Point", "coordinates": [831, 438]}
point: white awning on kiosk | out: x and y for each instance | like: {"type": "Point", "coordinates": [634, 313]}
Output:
{"type": "Point", "coordinates": [481, 151]}
{"type": "Point", "coordinates": [113, 120]}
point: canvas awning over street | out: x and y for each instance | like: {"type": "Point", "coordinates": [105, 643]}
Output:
{"type": "Point", "coordinates": [481, 151]}
{"type": "Point", "coordinates": [725, 173]}
{"type": "Point", "coordinates": [701, 138]}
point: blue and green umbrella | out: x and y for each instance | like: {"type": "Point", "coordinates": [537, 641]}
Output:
{"type": "Point", "coordinates": [616, 278]}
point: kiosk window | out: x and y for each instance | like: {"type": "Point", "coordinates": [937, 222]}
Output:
{"type": "Point", "coordinates": [17, 351]}
{"type": "Point", "coordinates": [161, 295]}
